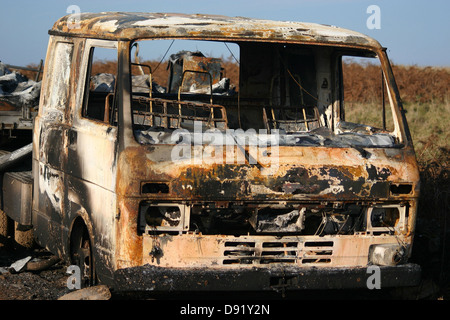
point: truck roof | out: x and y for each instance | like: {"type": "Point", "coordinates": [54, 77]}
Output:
{"type": "Point", "coordinates": [131, 26]}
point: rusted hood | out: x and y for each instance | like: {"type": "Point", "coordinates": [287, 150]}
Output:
{"type": "Point", "coordinates": [300, 173]}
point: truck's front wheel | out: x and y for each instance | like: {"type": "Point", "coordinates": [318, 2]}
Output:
{"type": "Point", "coordinates": [81, 253]}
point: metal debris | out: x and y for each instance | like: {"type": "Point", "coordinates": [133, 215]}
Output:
{"type": "Point", "coordinates": [91, 293]}
{"type": "Point", "coordinates": [19, 264]}
{"type": "Point", "coordinates": [17, 89]}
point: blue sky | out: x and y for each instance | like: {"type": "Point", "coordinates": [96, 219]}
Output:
{"type": "Point", "coordinates": [415, 32]}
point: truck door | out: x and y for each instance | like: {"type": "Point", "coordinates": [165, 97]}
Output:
{"type": "Point", "coordinates": [50, 140]}
{"type": "Point", "coordinates": [92, 145]}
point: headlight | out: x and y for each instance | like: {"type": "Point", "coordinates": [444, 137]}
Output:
{"type": "Point", "coordinates": [386, 218]}
{"type": "Point", "coordinates": [163, 217]}
{"type": "Point", "coordinates": [387, 254]}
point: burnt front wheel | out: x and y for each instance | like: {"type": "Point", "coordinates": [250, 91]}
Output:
{"type": "Point", "coordinates": [81, 254]}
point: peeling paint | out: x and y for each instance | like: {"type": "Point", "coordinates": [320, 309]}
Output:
{"type": "Point", "coordinates": [143, 25]}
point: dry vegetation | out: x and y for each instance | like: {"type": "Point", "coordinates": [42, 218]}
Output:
{"type": "Point", "coordinates": [426, 99]}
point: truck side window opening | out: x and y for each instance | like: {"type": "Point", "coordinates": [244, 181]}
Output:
{"type": "Point", "coordinates": [100, 89]}
{"type": "Point", "coordinates": [362, 115]}
{"type": "Point", "coordinates": [59, 83]}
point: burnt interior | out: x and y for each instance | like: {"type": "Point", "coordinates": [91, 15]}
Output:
{"type": "Point", "coordinates": [319, 219]}
{"type": "Point", "coordinates": [312, 219]}
{"type": "Point", "coordinates": [267, 96]}
{"type": "Point", "coordinates": [287, 89]}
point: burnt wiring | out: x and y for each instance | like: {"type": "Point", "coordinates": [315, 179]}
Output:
{"type": "Point", "coordinates": [156, 251]}
{"type": "Point", "coordinates": [237, 61]}
{"type": "Point", "coordinates": [164, 56]}
{"type": "Point", "coordinates": [297, 82]}
{"type": "Point", "coordinates": [238, 92]}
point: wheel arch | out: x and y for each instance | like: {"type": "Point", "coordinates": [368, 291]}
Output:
{"type": "Point", "coordinates": [80, 226]}
{"type": "Point", "coordinates": [80, 219]}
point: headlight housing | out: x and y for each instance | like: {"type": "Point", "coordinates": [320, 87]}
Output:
{"type": "Point", "coordinates": [163, 217]}
{"type": "Point", "coordinates": [387, 254]}
{"type": "Point", "coordinates": [386, 218]}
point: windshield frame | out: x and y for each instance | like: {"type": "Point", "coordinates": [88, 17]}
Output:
{"type": "Point", "coordinates": [400, 132]}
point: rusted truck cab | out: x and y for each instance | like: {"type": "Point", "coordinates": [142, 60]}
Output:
{"type": "Point", "coordinates": [263, 184]}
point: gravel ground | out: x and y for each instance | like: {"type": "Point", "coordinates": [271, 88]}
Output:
{"type": "Point", "coordinates": [49, 284]}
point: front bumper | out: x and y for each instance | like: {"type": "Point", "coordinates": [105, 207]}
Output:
{"type": "Point", "coordinates": [156, 279]}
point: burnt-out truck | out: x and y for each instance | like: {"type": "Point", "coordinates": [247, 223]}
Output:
{"type": "Point", "coordinates": [268, 180]}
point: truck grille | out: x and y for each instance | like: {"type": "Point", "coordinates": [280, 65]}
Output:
{"type": "Point", "coordinates": [317, 252]}
{"type": "Point", "coordinates": [286, 252]}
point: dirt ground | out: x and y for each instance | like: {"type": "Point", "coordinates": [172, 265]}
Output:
{"type": "Point", "coordinates": [49, 284]}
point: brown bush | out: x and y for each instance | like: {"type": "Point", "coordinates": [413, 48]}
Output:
{"type": "Point", "coordinates": [416, 84]}
{"type": "Point", "coordinates": [423, 84]}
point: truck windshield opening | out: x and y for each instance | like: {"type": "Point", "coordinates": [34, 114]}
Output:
{"type": "Point", "coordinates": [296, 92]}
